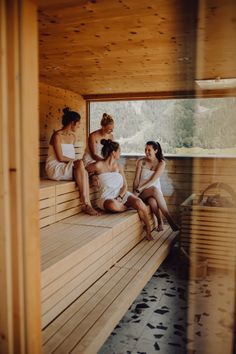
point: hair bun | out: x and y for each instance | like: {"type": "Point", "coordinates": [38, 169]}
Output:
{"type": "Point", "coordinates": [106, 141]}
{"type": "Point", "coordinates": [66, 110]}
{"type": "Point", "coordinates": [105, 115]}
{"type": "Point", "coordinates": [103, 141]}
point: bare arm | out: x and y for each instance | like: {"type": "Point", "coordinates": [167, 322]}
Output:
{"type": "Point", "coordinates": [95, 167]}
{"type": "Point", "coordinates": [92, 147]}
{"type": "Point", "coordinates": [160, 169]}
{"type": "Point", "coordinates": [56, 143]}
{"type": "Point", "coordinates": [123, 189]}
{"type": "Point", "coordinates": [137, 175]}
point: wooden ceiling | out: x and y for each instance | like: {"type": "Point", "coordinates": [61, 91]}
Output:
{"type": "Point", "coordinates": [131, 46]}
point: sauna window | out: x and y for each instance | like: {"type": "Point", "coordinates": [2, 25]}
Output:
{"type": "Point", "coordinates": [192, 127]}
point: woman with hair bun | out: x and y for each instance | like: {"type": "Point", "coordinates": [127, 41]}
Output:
{"type": "Point", "coordinates": [114, 195]}
{"type": "Point", "coordinates": [147, 183]}
{"type": "Point", "coordinates": [93, 150]}
{"type": "Point", "coordinates": [61, 163]}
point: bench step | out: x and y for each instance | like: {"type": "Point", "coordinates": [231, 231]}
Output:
{"type": "Point", "coordinates": [77, 251]}
{"type": "Point", "coordinates": [60, 200]}
{"type": "Point", "coordinates": [87, 322]}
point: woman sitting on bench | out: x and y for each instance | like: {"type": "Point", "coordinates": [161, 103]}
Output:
{"type": "Point", "coordinates": [147, 183]}
{"type": "Point", "coordinates": [61, 163]}
{"type": "Point", "coordinates": [114, 195]}
{"type": "Point", "coordinates": [93, 151]}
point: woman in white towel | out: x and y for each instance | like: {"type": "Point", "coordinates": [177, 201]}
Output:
{"type": "Point", "coordinates": [114, 195]}
{"type": "Point", "coordinates": [147, 183]}
{"type": "Point", "coordinates": [93, 151]}
{"type": "Point", "coordinates": [61, 163]}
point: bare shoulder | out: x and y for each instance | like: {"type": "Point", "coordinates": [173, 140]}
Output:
{"type": "Point", "coordinates": [56, 136]}
{"type": "Point", "coordinates": [141, 162]}
{"type": "Point", "coordinates": [98, 165]}
{"type": "Point", "coordinates": [161, 163]}
{"type": "Point", "coordinates": [94, 136]}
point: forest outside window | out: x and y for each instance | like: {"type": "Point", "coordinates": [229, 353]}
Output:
{"type": "Point", "coordinates": [184, 127]}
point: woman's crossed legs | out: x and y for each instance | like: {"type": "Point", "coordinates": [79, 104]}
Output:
{"type": "Point", "coordinates": [153, 192]}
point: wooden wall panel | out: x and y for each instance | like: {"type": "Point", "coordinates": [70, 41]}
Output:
{"type": "Point", "coordinates": [6, 311]}
{"type": "Point", "coordinates": [52, 101]}
{"type": "Point", "coordinates": [19, 237]}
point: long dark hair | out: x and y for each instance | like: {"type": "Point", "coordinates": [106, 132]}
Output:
{"type": "Point", "coordinates": [69, 117]}
{"type": "Point", "coordinates": [108, 147]}
{"type": "Point", "coordinates": [156, 146]}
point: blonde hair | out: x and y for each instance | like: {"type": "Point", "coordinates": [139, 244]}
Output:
{"type": "Point", "coordinates": [106, 119]}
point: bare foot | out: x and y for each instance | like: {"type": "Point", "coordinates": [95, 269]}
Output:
{"type": "Point", "coordinates": [159, 228]}
{"type": "Point", "coordinates": [88, 209]}
{"type": "Point", "coordinates": [148, 235]}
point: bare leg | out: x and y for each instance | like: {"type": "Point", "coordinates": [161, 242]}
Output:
{"type": "Point", "coordinates": [136, 203]}
{"type": "Point", "coordinates": [114, 206]}
{"type": "Point", "coordinates": [157, 194]}
{"type": "Point", "coordinates": [156, 211]}
{"type": "Point", "coordinates": [81, 178]}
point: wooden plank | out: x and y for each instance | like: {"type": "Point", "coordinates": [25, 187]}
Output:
{"type": "Point", "coordinates": [145, 250]}
{"type": "Point", "coordinates": [23, 62]}
{"type": "Point", "coordinates": [59, 290]}
{"type": "Point", "coordinates": [63, 297]}
{"type": "Point", "coordinates": [80, 330]}
{"type": "Point", "coordinates": [55, 263]}
{"type": "Point", "coordinates": [99, 289]}
{"type": "Point", "coordinates": [45, 203]}
{"type": "Point", "coordinates": [68, 196]}
{"type": "Point", "coordinates": [47, 221]}
{"type": "Point", "coordinates": [72, 242]}
{"type": "Point", "coordinates": [130, 259]}
{"type": "Point", "coordinates": [117, 307]}
{"type": "Point", "coordinates": [67, 205]}
{"type": "Point", "coordinates": [78, 268]}
{"type": "Point", "coordinates": [67, 213]}
{"type": "Point", "coordinates": [65, 187]}
{"type": "Point", "coordinates": [214, 217]}
{"type": "Point", "coordinates": [198, 244]}
{"type": "Point", "coordinates": [6, 257]}
{"type": "Point", "coordinates": [47, 212]}
{"type": "Point", "coordinates": [117, 222]}
{"type": "Point", "coordinates": [61, 305]}
{"type": "Point", "coordinates": [46, 192]}
{"type": "Point", "coordinates": [211, 239]}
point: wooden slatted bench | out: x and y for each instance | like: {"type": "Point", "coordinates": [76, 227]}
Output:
{"type": "Point", "coordinates": [77, 251]}
{"type": "Point", "coordinates": [87, 322]}
{"type": "Point", "coordinates": [92, 268]}
{"type": "Point", "coordinates": [59, 200]}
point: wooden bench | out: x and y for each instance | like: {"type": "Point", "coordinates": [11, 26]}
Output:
{"type": "Point", "coordinates": [92, 268]}
{"type": "Point", "coordinates": [84, 325]}
{"type": "Point", "coordinates": [77, 251]}
{"type": "Point", "coordinates": [59, 200]}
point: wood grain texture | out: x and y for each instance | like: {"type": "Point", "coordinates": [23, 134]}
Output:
{"type": "Point", "coordinates": [96, 48]}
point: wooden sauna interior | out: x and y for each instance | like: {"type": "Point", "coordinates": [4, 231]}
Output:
{"type": "Point", "coordinates": [79, 51]}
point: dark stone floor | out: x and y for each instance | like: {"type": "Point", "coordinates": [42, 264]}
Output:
{"type": "Point", "coordinates": [174, 315]}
